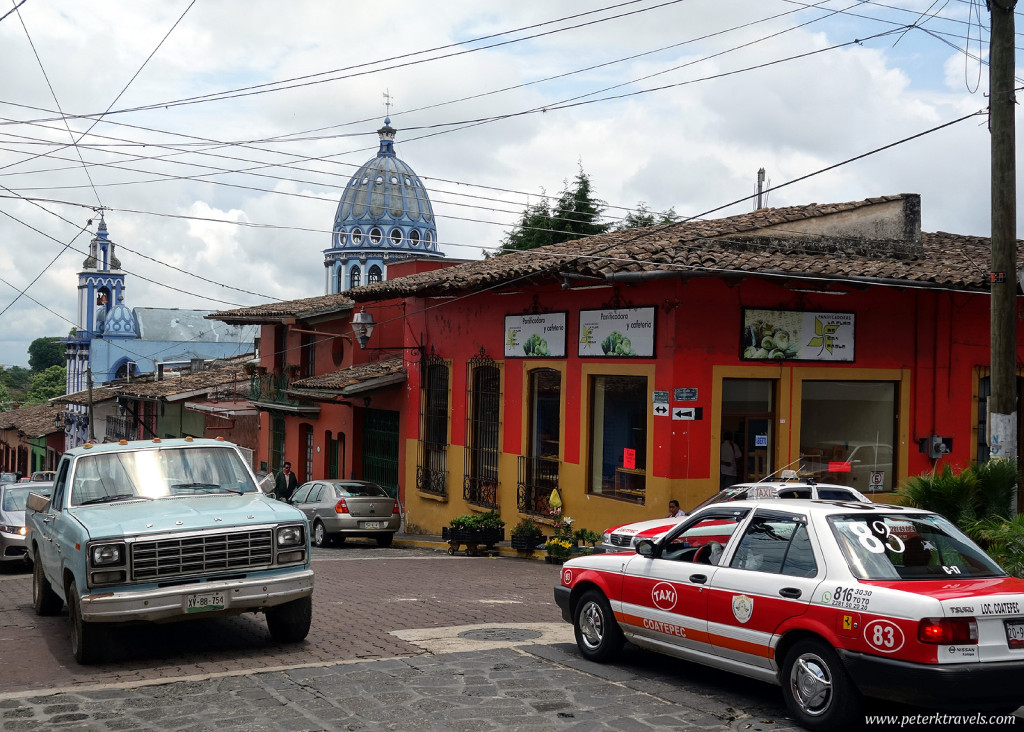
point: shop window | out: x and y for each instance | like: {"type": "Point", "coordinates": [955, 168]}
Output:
{"type": "Point", "coordinates": [618, 437]}
{"type": "Point", "coordinates": [432, 470]}
{"type": "Point", "coordinates": [480, 482]}
{"type": "Point", "coordinates": [847, 433]}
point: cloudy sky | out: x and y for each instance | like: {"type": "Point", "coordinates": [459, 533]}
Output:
{"type": "Point", "coordinates": [219, 134]}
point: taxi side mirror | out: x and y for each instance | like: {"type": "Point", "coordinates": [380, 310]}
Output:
{"type": "Point", "coordinates": [646, 548]}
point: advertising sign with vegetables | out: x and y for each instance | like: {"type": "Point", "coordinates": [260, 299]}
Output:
{"type": "Point", "coordinates": [538, 335]}
{"type": "Point", "coordinates": [795, 335]}
{"type": "Point", "coordinates": [617, 333]}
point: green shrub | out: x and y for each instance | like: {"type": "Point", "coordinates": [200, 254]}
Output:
{"type": "Point", "coordinates": [527, 527]}
{"type": "Point", "coordinates": [976, 493]}
{"type": "Point", "coordinates": [486, 520]}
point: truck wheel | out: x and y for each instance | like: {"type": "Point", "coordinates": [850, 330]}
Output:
{"type": "Point", "coordinates": [597, 632]}
{"type": "Point", "coordinates": [384, 540]}
{"type": "Point", "coordinates": [817, 689]}
{"type": "Point", "coordinates": [87, 639]}
{"type": "Point", "coordinates": [44, 600]}
{"type": "Point", "coordinates": [320, 536]}
{"type": "Point", "coordinates": [289, 623]}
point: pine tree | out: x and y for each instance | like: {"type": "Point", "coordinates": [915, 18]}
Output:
{"type": "Point", "coordinates": [643, 217]}
{"type": "Point", "coordinates": [575, 215]}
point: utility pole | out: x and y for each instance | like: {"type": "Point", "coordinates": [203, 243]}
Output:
{"type": "Point", "coordinates": [92, 432]}
{"type": "Point", "coordinates": [1002, 404]}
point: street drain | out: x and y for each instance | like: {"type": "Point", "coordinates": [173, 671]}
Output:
{"type": "Point", "coordinates": [506, 635]}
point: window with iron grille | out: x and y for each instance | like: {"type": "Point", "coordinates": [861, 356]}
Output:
{"type": "Point", "coordinates": [374, 275]}
{"type": "Point", "coordinates": [538, 470]}
{"type": "Point", "coordinates": [483, 427]}
{"type": "Point", "coordinates": [432, 468]}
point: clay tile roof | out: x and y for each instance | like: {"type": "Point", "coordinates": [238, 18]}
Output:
{"type": "Point", "coordinates": [742, 245]}
{"type": "Point", "coordinates": [35, 421]}
{"type": "Point", "coordinates": [81, 398]}
{"type": "Point", "coordinates": [363, 377]}
{"type": "Point", "coordinates": [310, 307]}
{"type": "Point", "coordinates": [185, 384]}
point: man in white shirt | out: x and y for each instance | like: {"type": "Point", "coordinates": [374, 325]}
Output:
{"type": "Point", "coordinates": [731, 455]}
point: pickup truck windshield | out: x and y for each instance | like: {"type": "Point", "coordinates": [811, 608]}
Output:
{"type": "Point", "coordinates": [158, 473]}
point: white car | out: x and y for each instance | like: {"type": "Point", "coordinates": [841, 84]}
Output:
{"type": "Point", "coordinates": [833, 601]}
{"type": "Point", "coordinates": [625, 537]}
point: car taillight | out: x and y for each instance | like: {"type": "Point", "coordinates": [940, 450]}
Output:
{"type": "Point", "coordinates": [395, 509]}
{"type": "Point", "coordinates": [955, 631]}
{"type": "Point", "coordinates": [341, 506]}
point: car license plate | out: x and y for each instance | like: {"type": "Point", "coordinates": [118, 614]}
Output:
{"type": "Point", "coordinates": [202, 603]}
{"type": "Point", "coordinates": [1014, 633]}
{"type": "Point", "coordinates": [372, 525]}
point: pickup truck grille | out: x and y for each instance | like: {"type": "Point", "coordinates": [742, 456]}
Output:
{"type": "Point", "coordinates": [174, 557]}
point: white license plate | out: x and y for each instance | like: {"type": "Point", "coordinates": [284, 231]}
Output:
{"type": "Point", "coordinates": [1014, 633]}
{"type": "Point", "coordinates": [373, 525]}
{"type": "Point", "coordinates": [202, 603]}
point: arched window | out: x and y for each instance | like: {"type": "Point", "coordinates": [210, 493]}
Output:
{"type": "Point", "coordinates": [374, 275]}
{"type": "Point", "coordinates": [396, 237]}
{"type": "Point", "coordinates": [375, 235]}
{"type": "Point", "coordinates": [340, 280]}
{"type": "Point", "coordinates": [353, 277]}
{"type": "Point", "coordinates": [357, 236]}
{"type": "Point", "coordinates": [342, 238]}
{"type": "Point", "coordinates": [414, 237]}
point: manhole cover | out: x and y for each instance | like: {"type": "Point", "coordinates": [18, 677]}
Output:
{"type": "Point", "coordinates": [500, 634]}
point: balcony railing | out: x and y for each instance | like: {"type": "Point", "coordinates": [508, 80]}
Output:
{"type": "Point", "coordinates": [538, 476]}
{"type": "Point", "coordinates": [270, 388]}
{"type": "Point", "coordinates": [118, 428]}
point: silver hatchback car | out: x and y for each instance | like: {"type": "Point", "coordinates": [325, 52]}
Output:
{"type": "Point", "coordinates": [340, 508]}
{"type": "Point", "coordinates": [12, 517]}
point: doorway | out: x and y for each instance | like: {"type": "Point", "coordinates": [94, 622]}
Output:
{"type": "Point", "coordinates": [748, 414]}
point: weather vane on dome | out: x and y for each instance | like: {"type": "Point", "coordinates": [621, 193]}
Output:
{"type": "Point", "coordinates": [388, 101]}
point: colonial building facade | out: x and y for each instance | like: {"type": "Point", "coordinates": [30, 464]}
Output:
{"type": "Point", "coordinates": [836, 340]}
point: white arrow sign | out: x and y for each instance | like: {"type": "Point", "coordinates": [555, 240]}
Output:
{"type": "Point", "coordinates": [684, 413]}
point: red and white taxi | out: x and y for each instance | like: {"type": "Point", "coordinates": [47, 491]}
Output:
{"type": "Point", "coordinates": [831, 600]}
{"type": "Point", "coordinates": [625, 537]}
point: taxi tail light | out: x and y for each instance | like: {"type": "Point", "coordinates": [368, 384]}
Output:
{"type": "Point", "coordinates": [943, 631]}
{"type": "Point", "coordinates": [341, 506]}
{"type": "Point", "coordinates": [395, 509]}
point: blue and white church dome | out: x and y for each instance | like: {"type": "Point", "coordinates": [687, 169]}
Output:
{"type": "Point", "coordinates": [384, 216]}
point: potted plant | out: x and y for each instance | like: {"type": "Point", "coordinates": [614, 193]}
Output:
{"type": "Point", "coordinates": [559, 547]}
{"type": "Point", "coordinates": [485, 528]}
{"type": "Point", "coordinates": [586, 541]}
{"type": "Point", "coordinates": [526, 535]}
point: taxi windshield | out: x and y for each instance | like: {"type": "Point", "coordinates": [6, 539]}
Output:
{"type": "Point", "coordinates": [905, 547]}
{"type": "Point", "coordinates": [158, 473]}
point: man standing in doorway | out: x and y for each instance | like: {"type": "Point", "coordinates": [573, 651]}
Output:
{"type": "Point", "coordinates": [286, 482]}
{"type": "Point", "coordinates": [731, 455]}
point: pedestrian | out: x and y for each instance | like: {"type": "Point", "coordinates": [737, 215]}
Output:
{"type": "Point", "coordinates": [731, 454]}
{"type": "Point", "coordinates": [673, 509]}
{"type": "Point", "coordinates": [286, 482]}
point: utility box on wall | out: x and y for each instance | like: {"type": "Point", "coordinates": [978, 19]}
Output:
{"type": "Point", "coordinates": [939, 446]}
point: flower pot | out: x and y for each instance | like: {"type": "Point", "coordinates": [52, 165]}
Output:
{"type": "Point", "coordinates": [525, 543]}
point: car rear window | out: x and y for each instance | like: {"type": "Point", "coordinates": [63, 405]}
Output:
{"type": "Point", "coordinates": [359, 489]}
{"type": "Point", "coordinates": [902, 547]}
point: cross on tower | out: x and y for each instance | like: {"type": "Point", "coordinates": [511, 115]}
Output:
{"type": "Point", "coordinates": [388, 101]}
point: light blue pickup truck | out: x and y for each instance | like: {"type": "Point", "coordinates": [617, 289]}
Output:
{"type": "Point", "coordinates": [164, 530]}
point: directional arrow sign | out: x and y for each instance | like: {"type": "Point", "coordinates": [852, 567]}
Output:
{"type": "Point", "coordinates": [661, 410]}
{"type": "Point", "coordinates": [686, 413]}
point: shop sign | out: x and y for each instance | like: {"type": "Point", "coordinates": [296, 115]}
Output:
{"type": "Point", "coordinates": [537, 335]}
{"type": "Point", "coordinates": [795, 335]}
{"type": "Point", "coordinates": [619, 333]}
{"type": "Point", "coordinates": [686, 394]}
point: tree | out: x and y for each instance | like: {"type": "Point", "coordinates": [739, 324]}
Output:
{"type": "Point", "coordinates": [44, 353]}
{"type": "Point", "coordinates": [643, 217]}
{"type": "Point", "coordinates": [47, 385]}
{"type": "Point", "coordinates": [5, 399]}
{"type": "Point", "coordinates": [574, 215]}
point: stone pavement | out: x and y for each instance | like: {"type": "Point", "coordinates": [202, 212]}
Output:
{"type": "Point", "coordinates": [524, 687]}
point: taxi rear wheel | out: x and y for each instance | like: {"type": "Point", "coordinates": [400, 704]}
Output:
{"type": "Point", "coordinates": [816, 687]}
{"type": "Point", "coordinates": [597, 632]}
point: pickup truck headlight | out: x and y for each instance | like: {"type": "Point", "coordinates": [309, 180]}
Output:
{"type": "Point", "coordinates": [16, 530]}
{"type": "Point", "coordinates": [106, 555]}
{"type": "Point", "coordinates": [289, 536]}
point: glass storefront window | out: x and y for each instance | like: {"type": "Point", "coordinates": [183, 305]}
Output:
{"type": "Point", "coordinates": [848, 432]}
{"type": "Point", "coordinates": [618, 437]}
